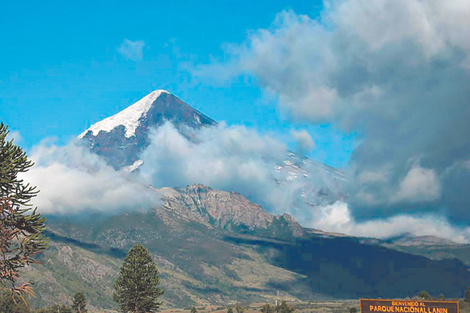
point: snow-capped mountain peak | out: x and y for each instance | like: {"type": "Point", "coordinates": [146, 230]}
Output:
{"type": "Point", "coordinates": [129, 117]}
{"type": "Point", "coordinates": [120, 139]}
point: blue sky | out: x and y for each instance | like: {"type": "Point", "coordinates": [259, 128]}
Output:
{"type": "Point", "coordinates": [394, 72]}
{"type": "Point", "coordinates": [61, 69]}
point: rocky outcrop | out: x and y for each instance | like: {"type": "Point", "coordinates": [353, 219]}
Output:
{"type": "Point", "coordinates": [226, 210]}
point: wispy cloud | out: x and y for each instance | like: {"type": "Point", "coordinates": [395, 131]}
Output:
{"type": "Point", "coordinates": [305, 143]}
{"type": "Point", "coordinates": [15, 136]}
{"type": "Point", "coordinates": [132, 50]}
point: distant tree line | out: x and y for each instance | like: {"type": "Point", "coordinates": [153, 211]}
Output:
{"type": "Point", "coordinates": [283, 307]}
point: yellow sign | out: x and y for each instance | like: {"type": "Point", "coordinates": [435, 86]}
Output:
{"type": "Point", "coordinates": [408, 306]}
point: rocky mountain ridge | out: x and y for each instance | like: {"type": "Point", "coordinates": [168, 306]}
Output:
{"type": "Point", "coordinates": [120, 139]}
{"type": "Point", "coordinates": [224, 210]}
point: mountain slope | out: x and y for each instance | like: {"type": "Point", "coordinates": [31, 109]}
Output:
{"type": "Point", "coordinates": [227, 211]}
{"type": "Point", "coordinates": [120, 138]}
{"type": "Point", "coordinates": [186, 237]}
{"type": "Point", "coordinates": [217, 247]}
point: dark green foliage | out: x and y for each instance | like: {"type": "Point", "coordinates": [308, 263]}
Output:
{"type": "Point", "coordinates": [21, 231]}
{"type": "Point", "coordinates": [79, 303]}
{"type": "Point", "coordinates": [441, 297]}
{"type": "Point", "coordinates": [136, 289]}
{"type": "Point", "coordinates": [424, 295]}
{"type": "Point", "coordinates": [10, 304]}
{"type": "Point", "coordinates": [467, 295]}
{"type": "Point", "coordinates": [230, 310]}
{"type": "Point", "coordinates": [284, 308]}
{"type": "Point", "coordinates": [193, 309]}
{"type": "Point", "coordinates": [58, 308]}
{"type": "Point", "coordinates": [352, 310]}
{"type": "Point", "coordinates": [267, 308]}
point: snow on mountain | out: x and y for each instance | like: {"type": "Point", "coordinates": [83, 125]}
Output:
{"type": "Point", "coordinates": [120, 139]}
{"type": "Point", "coordinates": [315, 183]}
{"type": "Point", "coordinates": [129, 117]}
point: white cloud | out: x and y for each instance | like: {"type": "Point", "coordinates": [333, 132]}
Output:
{"type": "Point", "coordinates": [71, 180]}
{"type": "Point", "coordinates": [396, 72]}
{"type": "Point", "coordinates": [305, 143]}
{"type": "Point", "coordinates": [420, 184]}
{"type": "Point", "coordinates": [338, 218]}
{"type": "Point", "coordinates": [227, 158]}
{"type": "Point", "coordinates": [132, 50]}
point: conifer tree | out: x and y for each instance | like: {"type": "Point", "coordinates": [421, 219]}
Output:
{"type": "Point", "coordinates": [136, 289]}
{"type": "Point", "coordinates": [21, 227]}
{"type": "Point", "coordinates": [467, 295]}
{"type": "Point", "coordinates": [193, 309]}
{"type": "Point", "coordinates": [79, 303]}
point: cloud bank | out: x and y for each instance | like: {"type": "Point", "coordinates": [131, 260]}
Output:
{"type": "Point", "coordinates": [74, 181]}
{"type": "Point", "coordinates": [227, 158]}
{"type": "Point", "coordinates": [397, 73]}
{"type": "Point", "coordinates": [71, 181]}
{"type": "Point", "coordinates": [239, 159]}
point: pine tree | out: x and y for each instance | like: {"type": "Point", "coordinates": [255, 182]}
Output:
{"type": "Point", "coordinates": [136, 289]}
{"type": "Point", "coordinates": [79, 303]}
{"type": "Point", "coordinates": [467, 295]}
{"type": "Point", "coordinates": [230, 310]}
{"type": "Point", "coordinates": [21, 227]}
{"type": "Point", "coordinates": [193, 309]}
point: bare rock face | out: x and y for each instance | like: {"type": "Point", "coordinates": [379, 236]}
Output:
{"type": "Point", "coordinates": [226, 210]}
{"type": "Point", "coordinates": [119, 139]}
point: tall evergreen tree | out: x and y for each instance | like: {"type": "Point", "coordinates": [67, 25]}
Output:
{"type": "Point", "coordinates": [79, 303]}
{"type": "Point", "coordinates": [136, 289]}
{"type": "Point", "coordinates": [21, 227]}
